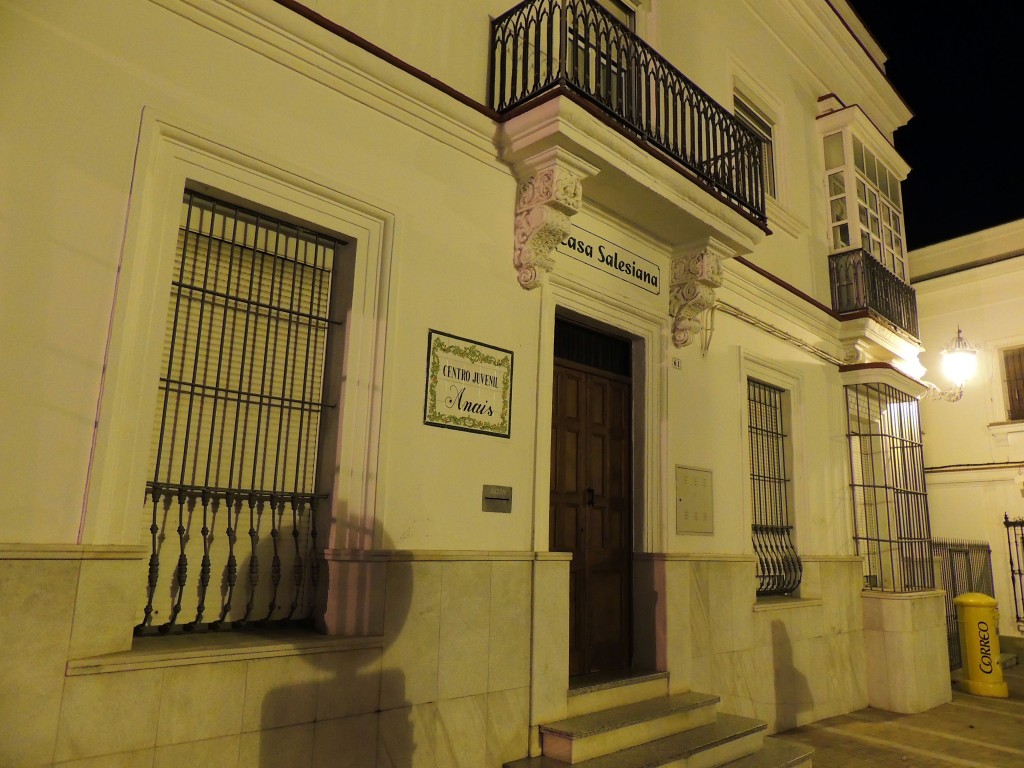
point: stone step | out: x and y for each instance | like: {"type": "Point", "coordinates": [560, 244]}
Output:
{"type": "Point", "coordinates": [593, 693]}
{"type": "Point", "coordinates": [776, 753]}
{"type": "Point", "coordinates": [1008, 660]}
{"type": "Point", "coordinates": [728, 738]}
{"type": "Point", "coordinates": [599, 733]}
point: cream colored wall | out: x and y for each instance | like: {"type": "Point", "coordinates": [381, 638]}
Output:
{"type": "Point", "coordinates": [782, 56]}
{"type": "Point", "coordinates": [447, 40]}
{"type": "Point", "coordinates": [986, 302]}
{"type": "Point", "coordinates": [83, 169]}
{"type": "Point", "coordinates": [708, 430]}
{"type": "Point", "coordinates": [90, 179]}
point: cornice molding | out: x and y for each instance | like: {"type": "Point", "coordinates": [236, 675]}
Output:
{"type": "Point", "coordinates": [370, 77]}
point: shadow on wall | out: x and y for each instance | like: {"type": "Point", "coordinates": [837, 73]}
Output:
{"type": "Point", "coordinates": [792, 692]}
{"type": "Point", "coordinates": [327, 712]}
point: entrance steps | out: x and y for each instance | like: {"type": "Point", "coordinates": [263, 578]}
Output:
{"type": "Point", "coordinates": [636, 723]}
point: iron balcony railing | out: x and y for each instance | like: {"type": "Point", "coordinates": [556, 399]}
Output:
{"type": "Point", "coordinates": [543, 45]}
{"type": "Point", "coordinates": [860, 282]}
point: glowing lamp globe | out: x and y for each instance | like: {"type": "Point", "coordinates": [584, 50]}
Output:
{"type": "Point", "coordinates": [959, 360]}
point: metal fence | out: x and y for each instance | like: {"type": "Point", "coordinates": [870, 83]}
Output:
{"type": "Point", "coordinates": [860, 282]}
{"type": "Point", "coordinates": [1015, 541]}
{"type": "Point", "coordinates": [540, 45]}
{"type": "Point", "coordinates": [965, 566]}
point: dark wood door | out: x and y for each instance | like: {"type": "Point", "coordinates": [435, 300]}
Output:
{"type": "Point", "coordinates": [591, 511]}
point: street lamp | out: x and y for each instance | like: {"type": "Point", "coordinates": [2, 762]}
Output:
{"type": "Point", "coordinates": [959, 363]}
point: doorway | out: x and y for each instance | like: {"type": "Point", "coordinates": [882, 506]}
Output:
{"type": "Point", "coordinates": [591, 492]}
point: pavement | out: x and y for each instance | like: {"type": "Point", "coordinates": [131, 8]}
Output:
{"type": "Point", "coordinates": [969, 731]}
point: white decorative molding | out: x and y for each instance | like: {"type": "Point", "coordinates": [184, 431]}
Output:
{"type": "Point", "coordinates": [696, 273]}
{"type": "Point", "coordinates": [550, 192]}
{"type": "Point", "coordinates": [73, 552]}
{"type": "Point", "coordinates": [866, 340]}
{"type": "Point", "coordinates": [281, 35]}
{"type": "Point", "coordinates": [638, 186]}
{"type": "Point", "coordinates": [889, 374]}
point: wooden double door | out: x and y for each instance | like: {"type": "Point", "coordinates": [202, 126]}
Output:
{"type": "Point", "coordinates": [591, 510]}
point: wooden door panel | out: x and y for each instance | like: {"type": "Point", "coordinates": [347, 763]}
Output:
{"type": "Point", "coordinates": [591, 512]}
{"type": "Point", "coordinates": [564, 528]}
{"type": "Point", "coordinates": [608, 621]}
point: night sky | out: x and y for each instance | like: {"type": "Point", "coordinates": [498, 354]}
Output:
{"type": "Point", "coordinates": [959, 71]}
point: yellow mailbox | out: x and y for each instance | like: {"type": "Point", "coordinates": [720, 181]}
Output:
{"type": "Point", "coordinates": [978, 619]}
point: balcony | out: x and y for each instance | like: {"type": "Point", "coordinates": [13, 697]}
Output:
{"type": "Point", "coordinates": [862, 286]}
{"type": "Point", "coordinates": [543, 48]}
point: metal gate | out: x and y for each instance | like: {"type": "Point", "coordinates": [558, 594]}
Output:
{"type": "Point", "coordinates": [965, 566]}
{"type": "Point", "coordinates": [1015, 540]}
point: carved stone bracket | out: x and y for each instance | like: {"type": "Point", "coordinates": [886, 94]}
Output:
{"type": "Point", "coordinates": [696, 273]}
{"type": "Point", "coordinates": [550, 192]}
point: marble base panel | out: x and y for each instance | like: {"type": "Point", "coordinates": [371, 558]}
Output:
{"type": "Point", "coordinates": [446, 681]}
{"type": "Point", "coordinates": [905, 640]}
{"type": "Point", "coordinates": [789, 661]}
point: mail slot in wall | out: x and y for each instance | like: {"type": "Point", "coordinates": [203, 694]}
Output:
{"type": "Point", "coordinates": [497, 498]}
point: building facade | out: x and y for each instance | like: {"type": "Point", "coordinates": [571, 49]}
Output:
{"type": "Point", "coordinates": [974, 455]}
{"type": "Point", "coordinates": [401, 367]}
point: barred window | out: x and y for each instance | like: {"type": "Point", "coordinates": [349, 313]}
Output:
{"type": "Point", "coordinates": [233, 483]}
{"type": "Point", "coordinates": [1013, 370]}
{"type": "Point", "coordinates": [758, 122]}
{"type": "Point", "coordinates": [778, 565]}
{"type": "Point", "coordinates": [892, 527]}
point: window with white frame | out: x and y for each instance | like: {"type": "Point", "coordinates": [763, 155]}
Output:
{"type": "Point", "coordinates": [622, 11]}
{"type": "Point", "coordinates": [865, 205]}
{"type": "Point", "coordinates": [754, 119]}
{"type": "Point", "coordinates": [778, 565]}
{"type": "Point", "coordinates": [233, 489]}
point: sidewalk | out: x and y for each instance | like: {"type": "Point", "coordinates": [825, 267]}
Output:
{"type": "Point", "coordinates": [969, 731]}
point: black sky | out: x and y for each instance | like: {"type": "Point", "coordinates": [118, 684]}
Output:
{"type": "Point", "coordinates": [959, 70]}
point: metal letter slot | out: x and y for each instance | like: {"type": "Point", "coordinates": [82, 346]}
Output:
{"type": "Point", "coordinates": [497, 498]}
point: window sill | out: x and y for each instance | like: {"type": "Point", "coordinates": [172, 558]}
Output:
{"type": "Point", "coordinates": [207, 648]}
{"type": "Point", "coordinates": [1007, 433]}
{"type": "Point", "coordinates": [784, 603]}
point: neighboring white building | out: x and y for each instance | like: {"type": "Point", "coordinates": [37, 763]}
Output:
{"type": "Point", "coordinates": [513, 350]}
{"type": "Point", "coordinates": [974, 453]}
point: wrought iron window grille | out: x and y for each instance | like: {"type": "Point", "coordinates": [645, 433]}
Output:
{"type": "Point", "coordinates": [892, 529]}
{"type": "Point", "coordinates": [779, 569]}
{"type": "Point", "coordinates": [541, 45]}
{"type": "Point", "coordinates": [234, 465]}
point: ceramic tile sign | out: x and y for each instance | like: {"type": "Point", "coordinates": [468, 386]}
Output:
{"type": "Point", "coordinates": [613, 259]}
{"type": "Point", "coordinates": [469, 385]}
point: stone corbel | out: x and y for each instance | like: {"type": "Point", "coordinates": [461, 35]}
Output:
{"type": "Point", "coordinates": [696, 273]}
{"type": "Point", "coordinates": [550, 192]}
